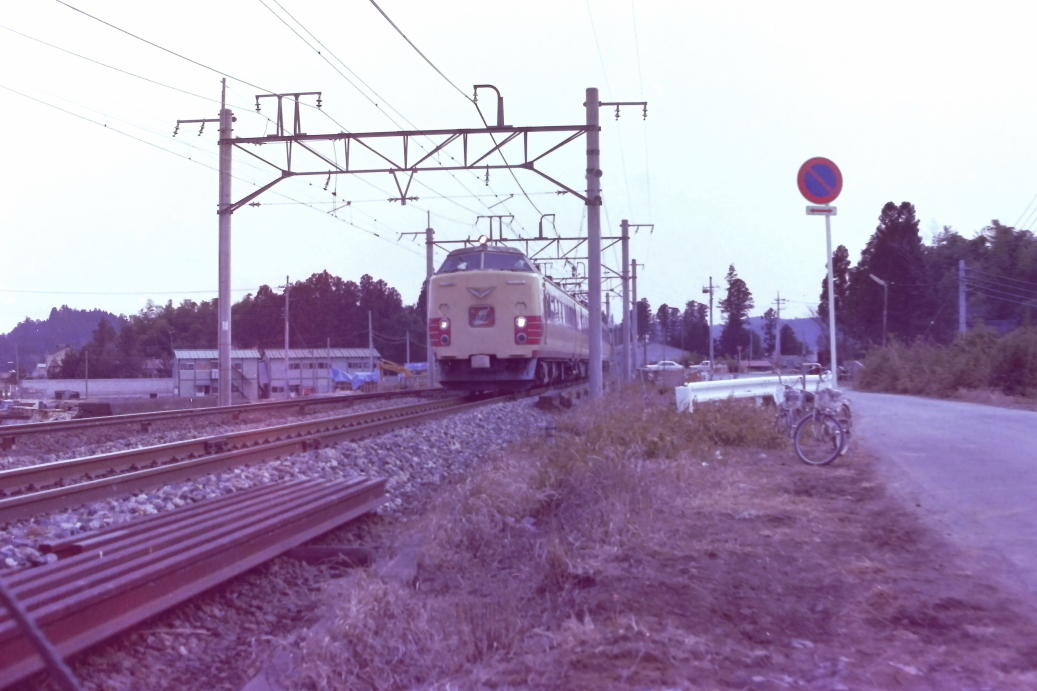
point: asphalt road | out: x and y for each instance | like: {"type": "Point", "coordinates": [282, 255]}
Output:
{"type": "Point", "coordinates": [970, 469]}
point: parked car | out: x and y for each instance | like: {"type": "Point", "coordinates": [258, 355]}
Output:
{"type": "Point", "coordinates": [664, 365]}
{"type": "Point", "coordinates": [704, 366]}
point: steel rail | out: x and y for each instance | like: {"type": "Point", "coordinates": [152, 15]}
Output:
{"type": "Point", "coordinates": [59, 472]}
{"type": "Point", "coordinates": [10, 433]}
{"type": "Point", "coordinates": [256, 446]}
{"type": "Point", "coordinates": [117, 578]}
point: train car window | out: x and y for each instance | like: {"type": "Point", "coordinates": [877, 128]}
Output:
{"type": "Point", "coordinates": [461, 262]}
{"type": "Point", "coordinates": [501, 261]}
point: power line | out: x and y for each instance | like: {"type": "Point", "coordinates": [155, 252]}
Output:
{"type": "Point", "coordinates": [1004, 278]}
{"type": "Point", "coordinates": [117, 69]}
{"type": "Point", "coordinates": [204, 165]}
{"type": "Point", "coordinates": [101, 124]}
{"type": "Point", "coordinates": [167, 50]}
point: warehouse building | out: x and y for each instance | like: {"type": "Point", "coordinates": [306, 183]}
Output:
{"type": "Point", "coordinates": [257, 374]}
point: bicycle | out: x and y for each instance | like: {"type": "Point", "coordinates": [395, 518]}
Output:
{"type": "Point", "coordinates": [819, 423]}
{"type": "Point", "coordinates": [820, 438]}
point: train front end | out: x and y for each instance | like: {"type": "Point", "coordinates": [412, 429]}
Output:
{"type": "Point", "coordinates": [486, 319]}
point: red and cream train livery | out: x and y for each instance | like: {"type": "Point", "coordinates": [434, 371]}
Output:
{"type": "Point", "coordinates": [496, 323]}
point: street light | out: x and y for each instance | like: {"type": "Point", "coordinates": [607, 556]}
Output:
{"type": "Point", "coordinates": [885, 301]}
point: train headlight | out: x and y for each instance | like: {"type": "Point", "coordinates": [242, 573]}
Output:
{"type": "Point", "coordinates": [529, 330]}
{"type": "Point", "coordinates": [439, 331]}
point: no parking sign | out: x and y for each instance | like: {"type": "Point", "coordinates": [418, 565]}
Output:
{"type": "Point", "coordinates": [820, 180]}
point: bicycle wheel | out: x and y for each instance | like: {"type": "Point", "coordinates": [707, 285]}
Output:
{"type": "Point", "coordinates": [819, 439]}
{"type": "Point", "coordinates": [846, 421]}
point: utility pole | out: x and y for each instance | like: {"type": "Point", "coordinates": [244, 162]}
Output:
{"type": "Point", "coordinates": [429, 270]}
{"type": "Point", "coordinates": [594, 238]}
{"type": "Point", "coordinates": [370, 341]}
{"type": "Point", "coordinates": [777, 331]}
{"type": "Point", "coordinates": [634, 311]}
{"type": "Point", "coordinates": [407, 361]}
{"type": "Point", "coordinates": [287, 287]}
{"type": "Point", "coordinates": [624, 233]}
{"type": "Point", "coordinates": [86, 376]}
{"type": "Point", "coordinates": [885, 302]}
{"type": "Point", "coordinates": [712, 362]}
{"type": "Point", "coordinates": [961, 297]}
{"type": "Point", "coordinates": [430, 248]}
{"type": "Point", "coordinates": [224, 211]}
{"type": "Point", "coordinates": [226, 132]}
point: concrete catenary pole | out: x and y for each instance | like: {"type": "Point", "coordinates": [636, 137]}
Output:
{"type": "Point", "coordinates": [287, 287]}
{"type": "Point", "coordinates": [226, 132]}
{"type": "Point", "coordinates": [593, 106]}
{"type": "Point", "coordinates": [777, 334]}
{"type": "Point", "coordinates": [961, 296]}
{"type": "Point", "coordinates": [633, 307]}
{"type": "Point", "coordinates": [624, 227]}
{"type": "Point", "coordinates": [370, 341]}
{"type": "Point", "coordinates": [429, 270]}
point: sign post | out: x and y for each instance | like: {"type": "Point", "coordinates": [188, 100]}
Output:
{"type": "Point", "coordinates": [821, 181]}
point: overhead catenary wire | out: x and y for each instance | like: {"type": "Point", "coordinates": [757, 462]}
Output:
{"type": "Point", "coordinates": [608, 87]}
{"type": "Point", "coordinates": [467, 97]}
{"type": "Point", "coordinates": [188, 158]}
{"type": "Point", "coordinates": [183, 57]}
{"type": "Point", "coordinates": [361, 92]}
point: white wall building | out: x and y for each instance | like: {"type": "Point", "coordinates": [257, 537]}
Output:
{"type": "Point", "coordinates": [258, 374]}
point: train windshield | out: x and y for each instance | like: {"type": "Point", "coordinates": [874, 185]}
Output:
{"type": "Point", "coordinates": [492, 261]}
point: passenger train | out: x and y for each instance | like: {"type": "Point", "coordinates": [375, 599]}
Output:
{"type": "Point", "coordinates": [496, 323]}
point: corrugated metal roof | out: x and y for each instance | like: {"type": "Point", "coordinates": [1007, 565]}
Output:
{"type": "Point", "coordinates": [278, 353]}
{"type": "Point", "coordinates": [214, 354]}
{"type": "Point", "coordinates": [275, 353]}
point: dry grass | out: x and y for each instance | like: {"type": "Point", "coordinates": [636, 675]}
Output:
{"type": "Point", "coordinates": [646, 549]}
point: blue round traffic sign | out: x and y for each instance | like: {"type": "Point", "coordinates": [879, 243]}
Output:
{"type": "Point", "coordinates": [820, 180]}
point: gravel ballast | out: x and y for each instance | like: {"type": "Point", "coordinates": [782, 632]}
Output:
{"type": "Point", "coordinates": [216, 641]}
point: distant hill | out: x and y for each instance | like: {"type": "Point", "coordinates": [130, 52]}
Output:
{"type": "Point", "coordinates": [36, 338]}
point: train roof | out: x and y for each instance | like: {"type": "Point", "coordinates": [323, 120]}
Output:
{"type": "Point", "coordinates": [487, 248]}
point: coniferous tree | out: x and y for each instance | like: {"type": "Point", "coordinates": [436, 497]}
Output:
{"type": "Point", "coordinates": [735, 308]}
{"type": "Point", "coordinates": [894, 254]}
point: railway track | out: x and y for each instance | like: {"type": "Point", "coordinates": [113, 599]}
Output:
{"type": "Point", "coordinates": [109, 580]}
{"type": "Point", "coordinates": [9, 434]}
{"type": "Point", "coordinates": [31, 490]}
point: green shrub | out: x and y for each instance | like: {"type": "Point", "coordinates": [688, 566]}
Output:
{"type": "Point", "coordinates": [978, 359]}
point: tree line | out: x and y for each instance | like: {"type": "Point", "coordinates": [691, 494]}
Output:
{"type": "Point", "coordinates": [920, 298]}
{"type": "Point", "coordinates": [688, 329]}
{"type": "Point", "coordinates": [323, 311]}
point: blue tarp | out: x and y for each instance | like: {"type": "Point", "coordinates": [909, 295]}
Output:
{"type": "Point", "coordinates": [417, 366]}
{"type": "Point", "coordinates": [356, 379]}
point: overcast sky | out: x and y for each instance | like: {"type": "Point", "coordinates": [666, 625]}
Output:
{"type": "Point", "coordinates": [913, 103]}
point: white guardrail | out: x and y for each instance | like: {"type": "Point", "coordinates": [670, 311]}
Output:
{"type": "Point", "coordinates": [749, 387]}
